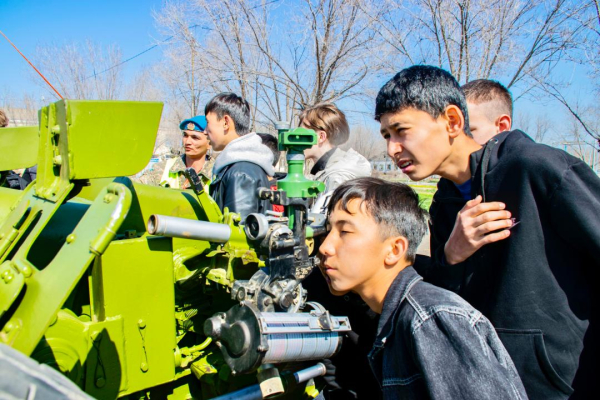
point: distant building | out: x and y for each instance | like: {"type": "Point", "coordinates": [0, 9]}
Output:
{"type": "Point", "coordinates": [384, 165]}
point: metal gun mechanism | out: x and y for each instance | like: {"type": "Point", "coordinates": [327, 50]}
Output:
{"type": "Point", "coordinates": [249, 338]}
{"type": "Point", "coordinates": [273, 323]}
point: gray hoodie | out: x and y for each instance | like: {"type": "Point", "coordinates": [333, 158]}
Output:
{"type": "Point", "coordinates": [246, 148]}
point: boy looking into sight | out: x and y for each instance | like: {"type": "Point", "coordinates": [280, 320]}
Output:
{"type": "Point", "coordinates": [514, 229]}
{"type": "Point", "coordinates": [430, 343]}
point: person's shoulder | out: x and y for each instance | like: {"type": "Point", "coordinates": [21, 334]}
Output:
{"type": "Point", "coordinates": [516, 148]}
{"type": "Point", "coordinates": [246, 168]}
{"type": "Point", "coordinates": [346, 164]}
{"type": "Point", "coordinates": [429, 301]}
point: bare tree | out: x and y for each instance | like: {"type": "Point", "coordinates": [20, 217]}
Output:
{"type": "Point", "coordinates": [522, 121]}
{"type": "Point", "coordinates": [279, 57]}
{"type": "Point", "coordinates": [577, 142]}
{"type": "Point", "coordinates": [21, 111]}
{"type": "Point", "coordinates": [541, 128]}
{"type": "Point", "coordinates": [81, 71]}
{"type": "Point", "coordinates": [585, 53]}
{"type": "Point", "coordinates": [518, 41]}
{"type": "Point", "coordinates": [143, 87]}
{"type": "Point", "coordinates": [367, 142]}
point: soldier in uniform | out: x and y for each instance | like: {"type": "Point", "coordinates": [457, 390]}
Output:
{"type": "Point", "coordinates": [169, 172]}
{"type": "Point", "coordinates": [195, 142]}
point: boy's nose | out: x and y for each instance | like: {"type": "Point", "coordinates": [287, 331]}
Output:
{"type": "Point", "coordinates": [393, 148]}
{"type": "Point", "coordinates": [326, 249]}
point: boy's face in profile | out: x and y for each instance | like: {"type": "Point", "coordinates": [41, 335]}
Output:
{"type": "Point", "coordinates": [215, 130]}
{"type": "Point", "coordinates": [353, 252]}
{"type": "Point", "coordinates": [418, 143]}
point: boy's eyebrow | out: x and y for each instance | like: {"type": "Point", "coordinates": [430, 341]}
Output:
{"type": "Point", "coordinates": [344, 222]}
{"type": "Point", "coordinates": [394, 126]}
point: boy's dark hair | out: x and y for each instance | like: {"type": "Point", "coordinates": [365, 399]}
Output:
{"type": "Point", "coordinates": [272, 143]}
{"type": "Point", "coordinates": [424, 87]}
{"type": "Point", "coordinates": [393, 205]}
{"type": "Point", "coordinates": [233, 105]}
{"type": "Point", "coordinates": [327, 117]}
{"type": "Point", "coordinates": [487, 90]}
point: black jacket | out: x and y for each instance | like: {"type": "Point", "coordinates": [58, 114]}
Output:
{"type": "Point", "coordinates": [236, 186]}
{"type": "Point", "coordinates": [20, 182]}
{"type": "Point", "coordinates": [537, 286]}
{"type": "Point", "coordinates": [351, 377]}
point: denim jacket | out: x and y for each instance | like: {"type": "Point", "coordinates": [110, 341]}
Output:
{"type": "Point", "coordinates": [432, 344]}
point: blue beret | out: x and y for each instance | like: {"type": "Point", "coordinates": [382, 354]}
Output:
{"type": "Point", "coordinates": [198, 123]}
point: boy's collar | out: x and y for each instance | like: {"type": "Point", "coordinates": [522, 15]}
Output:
{"type": "Point", "coordinates": [322, 162]}
{"type": "Point", "coordinates": [399, 289]}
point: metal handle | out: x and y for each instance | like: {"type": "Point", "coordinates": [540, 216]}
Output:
{"type": "Point", "coordinates": [162, 225]}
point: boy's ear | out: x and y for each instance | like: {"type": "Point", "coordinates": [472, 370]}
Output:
{"type": "Point", "coordinates": [398, 246]}
{"type": "Point", "coordinates": [455, 120]}
{"type": "Point", "coordinates": [321, 136]}
{"type": "Point", "coordinates": [228, 122]}
{"type": "Point", "coordinates": [504, 123]}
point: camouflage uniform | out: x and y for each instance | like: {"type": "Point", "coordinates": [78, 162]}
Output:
{"type": "Point", "coordinates": [173, 176]}
{"type": "Point", "coordinates": [169, 173]}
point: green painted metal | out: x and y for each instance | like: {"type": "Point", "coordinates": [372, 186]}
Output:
{"type": "Point", "coordinates": [295, 183]}
{"type": "Point", "coordinates": [83, 286]}
{"type": "Point", "coordinates": [77, 140]}
{"type": "Point", "coordinates": [51, 286]}
{"type": "Point", "coordinates": [8, 198]}
{"type": "Point", "coordinates": [19, 147]}
{"type": "Point", "coordinates": [145, 308]}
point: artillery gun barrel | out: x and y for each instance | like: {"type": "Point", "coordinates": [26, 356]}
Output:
{"type": "Point", "coordinates": [163, 225]}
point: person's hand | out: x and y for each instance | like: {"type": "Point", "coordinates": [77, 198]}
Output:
{"type": "Point", "coordinates": [477, 224]}
{"type": "Point", "coordinates": [329, 377]}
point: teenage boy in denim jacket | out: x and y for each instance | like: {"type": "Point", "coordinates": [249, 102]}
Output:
{"type": "Point", "coordinates": [430, 342]}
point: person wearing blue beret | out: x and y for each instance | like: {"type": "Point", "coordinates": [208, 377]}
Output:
{"type": "Point", "coordinates": [197, 156]}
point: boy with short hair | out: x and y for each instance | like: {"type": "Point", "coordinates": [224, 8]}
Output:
{"type": "Point", "coordinates": [514, 229]}
{"type": "Point", "coordinates": [430, 343]}
{"type": "Point", "coordinates": [490, 108]}
{"type": "Point", "coordinates": [332, 165]}
{"type": "Point", "coordinates": [244, 164]}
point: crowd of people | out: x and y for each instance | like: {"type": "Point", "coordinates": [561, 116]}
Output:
{"type": "Point", "coordinates": [504, 306]}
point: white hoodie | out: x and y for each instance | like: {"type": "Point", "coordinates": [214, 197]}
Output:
{"type": "Point", "coordinates": [341, 167]}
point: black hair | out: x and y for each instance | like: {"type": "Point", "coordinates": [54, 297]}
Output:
{"type": "Point", "coordinates": [393, 205]}
{"type": "Point", "coordinates": [233, 105]}
{"type": "Point", "coordinates": [272, 143]}
{"type": "Point", "coordinates": [487, 90]}
{"type": "Point", "coordinates": [424, 87]}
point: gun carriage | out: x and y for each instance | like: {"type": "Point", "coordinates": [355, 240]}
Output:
{"type": "Point", "coordinates": [148, 292]}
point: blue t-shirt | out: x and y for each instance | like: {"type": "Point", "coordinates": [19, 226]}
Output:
{"type": "Point", "coordinates": [465, 190]}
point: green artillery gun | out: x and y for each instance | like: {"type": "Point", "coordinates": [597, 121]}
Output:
{"type": "Point", "coordinates": [147, 292]}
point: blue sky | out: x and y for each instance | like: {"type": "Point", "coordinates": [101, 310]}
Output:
{"type": "Point", "coordinates": [130, 25]}
{"type": "Point", "coordinates": [30, 23]}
